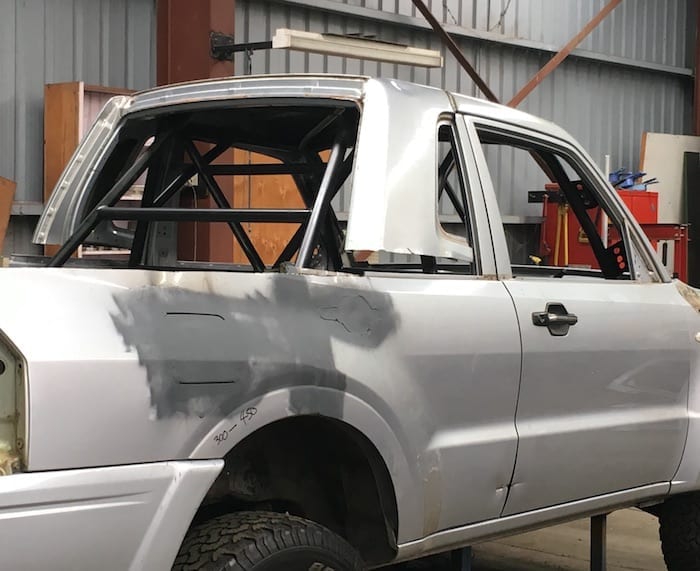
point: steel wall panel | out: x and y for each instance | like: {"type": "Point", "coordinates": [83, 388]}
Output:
{"type": "Point", "coordinates": [606, 107]}
{"type": "Point", "coordinates": [647, 30]}
{"type": "Point", "coordinates": [18, 239]}
{"type": "Point", "coordinates": [103, 42]}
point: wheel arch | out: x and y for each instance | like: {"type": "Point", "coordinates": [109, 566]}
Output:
{"type": "Point", "coordinates": [372, 467]}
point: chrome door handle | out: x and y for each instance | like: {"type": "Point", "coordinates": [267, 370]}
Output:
{"type": "Point", "coordinates": [555, 318]}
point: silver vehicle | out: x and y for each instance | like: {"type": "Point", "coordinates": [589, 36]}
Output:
{"type": "Point", "coordinates": [402, 372]}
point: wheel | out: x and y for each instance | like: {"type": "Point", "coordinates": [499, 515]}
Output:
{"type": "Point", "coordinates": [264, 541]}
{"type": "Point", "coordinates": [679, 528]}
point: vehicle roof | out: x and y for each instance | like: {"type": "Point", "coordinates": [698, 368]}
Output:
{"type": "Point", "coordinates": [349, 87]}
{"type": "Point", "coordinates": [496, 111]}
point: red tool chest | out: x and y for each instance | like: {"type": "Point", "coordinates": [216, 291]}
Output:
{"type": "Point", "coordinates": [572, 247]}
{"type": "Point", "coordinates": [644, 205]}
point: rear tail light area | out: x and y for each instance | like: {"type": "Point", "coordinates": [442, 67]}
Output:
{"type": "Point", "coordinates": [13, 417]}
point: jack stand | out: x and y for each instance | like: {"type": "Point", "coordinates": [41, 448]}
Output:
{"type": "Point", "coordinates": [462, 559]}
{"type": "Point", "coordinates": [598, 542]}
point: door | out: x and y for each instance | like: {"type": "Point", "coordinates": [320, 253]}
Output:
{"type": "Point", "coordinates": [454, 364]}
{"type": "Point", "coordinates": [603, 407]}
{"type": "Point", "coordinates": [606, 350]}
{"type": "Point", "coordinates": [454, 361]}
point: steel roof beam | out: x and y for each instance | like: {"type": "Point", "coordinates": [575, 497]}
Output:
{"type": "Point", "coordinates": [554, 63]}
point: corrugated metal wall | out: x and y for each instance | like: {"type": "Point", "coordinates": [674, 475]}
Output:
{"type": "Point", "coordinates": [649, 30]}
{"type": "Point", "coordinates": [605, 106]}
{"type": "Point", "coordinates": [103, 42]}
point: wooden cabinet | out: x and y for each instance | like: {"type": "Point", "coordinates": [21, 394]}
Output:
{"type": "Point", "coordinates": [69, 111]}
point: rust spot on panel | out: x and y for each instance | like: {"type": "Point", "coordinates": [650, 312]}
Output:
{"type": "Point", "coordinates": [690, 294]}
{"type": "Point", "coordinates": [432, 497]}
{"type": "Point", "coordinates": [9, 461]}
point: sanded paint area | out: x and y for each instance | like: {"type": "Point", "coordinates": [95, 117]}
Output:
{"type": "Point", "coordinates": [633, 545]}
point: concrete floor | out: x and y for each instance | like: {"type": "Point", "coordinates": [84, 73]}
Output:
{"type": "Point", "coordinates": [633, 545]}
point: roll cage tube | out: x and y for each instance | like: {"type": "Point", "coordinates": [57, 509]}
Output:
{"type": "Point", "coordinates": [609, 267]}
{"type": "Point", "coordinates": [323, 198]}
{"type": "Point", "coordinates": [315, 223]}
{"type": "Point", "coordinates": [221, 201]}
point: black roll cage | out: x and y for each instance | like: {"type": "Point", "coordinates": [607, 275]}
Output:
{"type": "Point", "coordinates": [317, 182]}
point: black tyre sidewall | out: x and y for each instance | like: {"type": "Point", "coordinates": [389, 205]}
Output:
{"type": "Point", "coordinates": [302, 559]}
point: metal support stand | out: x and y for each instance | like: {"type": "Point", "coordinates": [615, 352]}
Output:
{"type": "Point", "coordinates": [462, 559]}
{"type": "Point", "coordinates": [598, 542]}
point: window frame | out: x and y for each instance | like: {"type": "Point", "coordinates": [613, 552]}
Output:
{"type": "Point", "coordinates": [96, 212]}
{"type": "Point", "coordinates": [463, 191]}
{"type": "Point", "coordinates": [643, 264]}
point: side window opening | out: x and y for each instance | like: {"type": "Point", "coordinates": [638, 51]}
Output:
{"type": "Point", "coordinates": [255, 189]}
{"type": "Point", "coordinates": [243, 181]}
{"type": "Point", "coordinates": [452, 205]}
{"type": "Point", "coordinates": [554, 223]}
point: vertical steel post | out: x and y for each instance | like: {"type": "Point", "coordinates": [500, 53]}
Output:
{"type": "Point", "coordinates": [598, 542]}
{"type": "Point", "coordinates": [454, 48]}
{"type": "Point", "coordinates": [183, 53]}
{"type": "Point", "coordinates": [182, 39]}
{"type": "Point", "coordinates": [462, 559]}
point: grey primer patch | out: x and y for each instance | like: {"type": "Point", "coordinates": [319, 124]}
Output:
{"type": "Point", "coordinates": [206, 354]}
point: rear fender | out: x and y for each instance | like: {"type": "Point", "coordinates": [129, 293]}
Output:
{"type": "Point", "coordinates": [331, 403]}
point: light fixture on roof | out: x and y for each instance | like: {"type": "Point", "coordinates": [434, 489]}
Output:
{"type": "Point", "coordinates": [355, 47]}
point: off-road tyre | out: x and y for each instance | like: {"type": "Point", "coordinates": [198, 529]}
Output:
{"type": "Point", "coordinates": [679, 528]}
{"type": "Point", "coordinates": [264, 541]}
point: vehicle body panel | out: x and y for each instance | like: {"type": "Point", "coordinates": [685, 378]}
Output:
{"type": "Point", "coordinates": [182, 354]}
{"type": "Point", "coordinates": [687, 478]}
{"type": "Point", "coordinates": [116, 518]}
{"type": "Point", "coordinates": [396, 164]}
{"type": "Point", "coordinates": [521, 523]}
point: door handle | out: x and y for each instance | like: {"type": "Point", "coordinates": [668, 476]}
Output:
{"type": "Point", "coordinates": [555, 318]}
{"type": "Point", "coordinates": [544, 319]}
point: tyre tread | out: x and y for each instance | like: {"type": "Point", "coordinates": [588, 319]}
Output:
{"type": "Point", "coordinates": [239, 541]}
{"type": "Point", "coordinates": [679, 530]}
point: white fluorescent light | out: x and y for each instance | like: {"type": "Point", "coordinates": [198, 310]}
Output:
{"type": "Point", "coordinates": [359, 48]}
